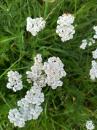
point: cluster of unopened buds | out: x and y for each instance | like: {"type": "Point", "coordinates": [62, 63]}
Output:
{"type": "Point", "coordinates": [41, 74]}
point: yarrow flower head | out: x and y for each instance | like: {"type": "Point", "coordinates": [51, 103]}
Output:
{"type": "Point", "coordinates": [94, 53]}
{"type": "Point", "coordinates": [54, 72]}
{"type": "Point", "coordinates": [36, 74]}
{"type": "Point", "coordinates": [93, 70]}
{"type": "Point", "coordinates": [35, 25]}
{"type": "Point", "coordinates": [90, 125]}
{"type": "Point", "coordinates": [29, 107]}
{"type": "Point", "coordinates": [14, 81]}
{"type": "Point", "coordinates": [32, 100]}
{"type": "Point", "coordinates": [65, 29]}
{"type": "Point", "coordinates": [95, 29]}
{"type": "Point", "coordinates": [84, 44]}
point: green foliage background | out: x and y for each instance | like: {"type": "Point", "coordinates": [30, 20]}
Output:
{"type": "Point", "coordinates": [69, 106]}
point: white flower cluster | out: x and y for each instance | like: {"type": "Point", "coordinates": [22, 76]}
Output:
{"type": "Point", "coordinates": [95, 35]}
{"type": "Point", "coordinates": [90, 125]}
{"type": "Point", "coordinates": [65, 29]}
{"type": "Point", "coordinates": [29, 107]}
{"type": "Point", "coordinates": [14, 81]}
{"type": "Point", "coordinates": [48, 73]}
{"type": "Point", "coordinates": [41, 74]}
{"type": "Point", "coordinates": [35, 25]}
{"type": "Point", "coordinates": [93, 70]}
{"type": "Point", "coordinates": [94, 53]}
{"type": "Point", "coordinates": [54, 72]}
{"type": "Point", "coordinates": [36, 74]}
{"type": "Point", "coordinates": [86, 43]}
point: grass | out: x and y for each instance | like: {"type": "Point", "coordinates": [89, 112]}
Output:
{"type": "Point", "coordinates": [69, 106]}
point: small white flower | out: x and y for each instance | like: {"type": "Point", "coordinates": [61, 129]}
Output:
{"type": "Point", "coordinates": [90, 125]}
{"type": "Point", "coordinates": [93, 70]}
{"type": "Point", "coordinates": [95, 36]}
{"type": "Point", "coordinates": [14, 81]}
{"type": "Point", "coordinates": [91, 42]}
{"type": "Point", "coordinates": [38, 59]}
{"type": "Point", "coordinates": [84, 44]}
{"type": "Point", "coordinates": [94, 53]}
{"type": "Point", "coordinates": [35, 25]}
{"type": "Point", "coordinates": [64, 28]}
